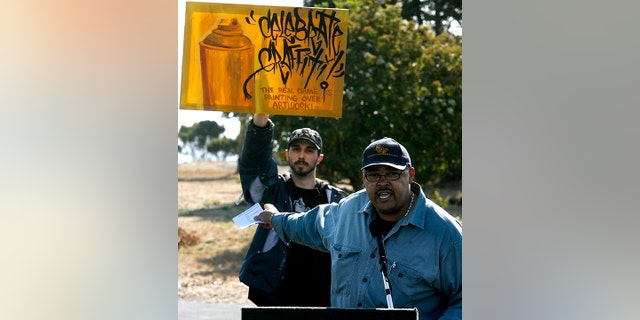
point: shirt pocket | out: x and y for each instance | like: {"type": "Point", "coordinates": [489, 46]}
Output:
{"type": "Point", "coordinates": [344, 267]}
{"type": "Point", "coordinates": [407, 284]}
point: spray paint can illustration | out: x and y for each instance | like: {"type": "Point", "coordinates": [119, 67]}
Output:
{"type": "Point", "coordinates": [226, 61]}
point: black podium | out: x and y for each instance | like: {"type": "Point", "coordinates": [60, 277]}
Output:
{"type": "Point", "coordinates": [318, 313]}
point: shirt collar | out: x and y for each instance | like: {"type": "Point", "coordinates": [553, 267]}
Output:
{"type": "Point", "coordinates": [417, 214]}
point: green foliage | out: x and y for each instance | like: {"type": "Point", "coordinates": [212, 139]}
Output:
{"type": "Point", "coordinates": [319, 3]}
{"type": "Point", "coordinates": [402, 81]}
{"type": "Point", "coordinates": [185, 136]}
{"type": "Point", "coordinates": [204, 131]}
{"type": "Point", "coordinates": [223, 146]}
{"type": "Point", "coordinates": [438, 199]}
{"type": "Point", "coordinates": [438, 13]}
{"type": "Point", "coordinates": [244, 121]}
{"type": "Point", "coordinates": [197, 137]}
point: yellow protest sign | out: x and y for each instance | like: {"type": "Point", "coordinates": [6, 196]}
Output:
{"type": "Point", "coordinates": [264, 59]}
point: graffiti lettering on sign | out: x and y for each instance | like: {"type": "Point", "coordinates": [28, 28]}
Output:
{"type": "Point", "coordinates": [307, 46]}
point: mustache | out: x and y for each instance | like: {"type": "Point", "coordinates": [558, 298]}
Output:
{"type": "Point", "coordinates": [301, 161]}
{"type": "Point", "coordinates": [378, 190]}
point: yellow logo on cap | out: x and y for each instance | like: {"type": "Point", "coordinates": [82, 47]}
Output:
{"type": "Point", "coordinates": [381, 149]}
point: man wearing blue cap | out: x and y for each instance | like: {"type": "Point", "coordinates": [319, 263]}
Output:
{"type": "Point", "coordinates": [422, 242]}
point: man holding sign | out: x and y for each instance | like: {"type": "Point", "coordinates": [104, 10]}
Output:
{"type": "Point", "coordinates": [279, 273]}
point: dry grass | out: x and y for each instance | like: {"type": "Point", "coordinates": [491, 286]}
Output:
{"type": "Point", "coordinates": [208, 268]}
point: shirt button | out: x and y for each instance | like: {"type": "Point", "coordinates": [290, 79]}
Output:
{"type": "Point", "coordinates": [340, 255]}
{"type": "Point", "coordinates": [400, 275]}
{"type": "Point", "coordinates": [373, 255]}
{"type": "Point", "coordinates": [364, 280]}
{"type": "Point", "coordinates": [359, 304]}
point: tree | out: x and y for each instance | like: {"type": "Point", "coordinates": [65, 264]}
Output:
{"type": "Point", "coordinates": [223, 146]}
{"type": "Point", "coordinates": [187, 138]}
{"type": "Point", "coordinates": [439, 13]}
{"type": "Point", "coordinates": [402, 81]}
{"type": "Point", "coordinates": [206, 130]}
{"type": "Point", "coordinates": [244, 121]}
{"type": "Point", "coordinates": [197, 137]}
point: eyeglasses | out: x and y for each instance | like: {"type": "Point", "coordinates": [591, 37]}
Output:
{"type": "Point", "coordinates": [389, 176]}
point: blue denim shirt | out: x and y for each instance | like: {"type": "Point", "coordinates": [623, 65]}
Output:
{"type": "Point", "coordinates": [424, 253]}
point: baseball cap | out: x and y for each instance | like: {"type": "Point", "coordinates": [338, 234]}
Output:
{"type": "Point", "coordinates": [386, 152]}
{"type": "Point", "coordinates": [306, 134]}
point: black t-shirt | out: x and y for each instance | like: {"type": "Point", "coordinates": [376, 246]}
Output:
{"type": "Point", "coordinates": [306, 199]}
{"type": "Point", "coordinates": [385, 226]}
{"type": "Point", "coordinates": [308, 271]}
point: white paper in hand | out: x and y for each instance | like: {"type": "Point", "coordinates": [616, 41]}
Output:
{"type": "Point", "coordinates": [245, 218]}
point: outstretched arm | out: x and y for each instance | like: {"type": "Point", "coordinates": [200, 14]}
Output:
{"type": "Point", "coordinates": [300, 227]}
